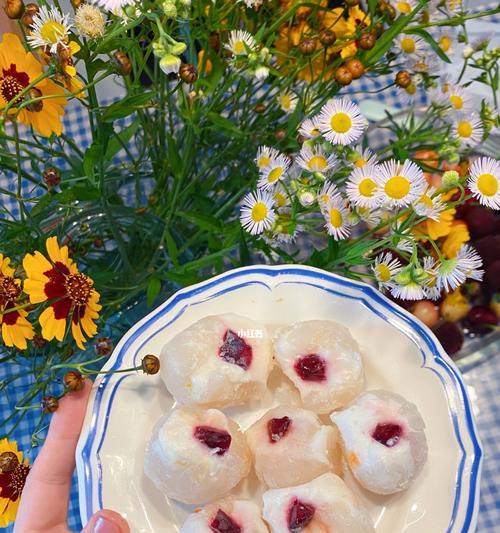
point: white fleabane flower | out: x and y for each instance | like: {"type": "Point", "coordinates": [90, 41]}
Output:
{"type": "Point", "coordinates": [274, 172]}
{"type": "Point", "coordinates": [408, 44]}
{"type": "Point", "coordinates": [341, 122]}
{"type": "Point", "coordinates": [400, 184]}
{"type": "Point", "coordinates": [458, 97]}
{"type": "Point", "coordinates": [240, 43]}
{"type": "Point", "coordinates": [288, 102]}
{"type": "Point", "coordinates": [257, 212]}
{"type": "Point", "coordinates": [451, 273]}
{"type": "Point", "coordinates": [115, 6]}
{"type": "Point", "coordinates": [336, 218]}
{"type": "Point", "coordinates": [385, 267]}
{"type": "Point", "coordinates": [468, 130]}
{"type": "Point", "coordinates": [361, 187]}
{"type": "Point", "coordinates": [309, 128]}
{"type": "Point", "coordinates": [429, 205]}
{"type": "Point", "coordinates": [49, 29]}
{"type": "Point", "coordinates": [484, 181]}
{"type": "Point", "coordinates": [265, 154]}
{"type": "Point", "coordinates": [359, 157]}
{"type": "Point", "coordinates": [328, 192]}
{"type": "Point", "coordinates": [316, 160]}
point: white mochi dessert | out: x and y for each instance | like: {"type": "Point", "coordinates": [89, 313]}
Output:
{"type": "Point", "coordinates": [196, 455]}
{"type": "Point", "coordinates": [323, 505]}
{"type": "Point", "coordinates": [323, 361]}
{"type": "Point", "coordinates": [226, 516]}
{"type": "Point", "coordinates": [290, 446]}
{"type": "Point", "coordinates": [218, 361]}
{"type": "Point", "coordinates": [383, 441]}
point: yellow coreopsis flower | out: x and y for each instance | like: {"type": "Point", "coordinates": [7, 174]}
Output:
{"type": "Point", "coordinates": [13, 474]}
{"type": "Point", "coordinates": [15, 328]}
{"type": "Point", "coordinates": [457, 236]}
{"type": "Point", "coordinates": [71, 294]}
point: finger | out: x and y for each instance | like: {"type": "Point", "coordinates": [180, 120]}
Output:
{"type": "Point", "coordinates": [106, 521]}
{"type": "Point", "coordinates": [44, 503]}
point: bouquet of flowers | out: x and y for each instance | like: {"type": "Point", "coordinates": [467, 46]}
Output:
{"type": "Point", "coordinates": [222, 133]}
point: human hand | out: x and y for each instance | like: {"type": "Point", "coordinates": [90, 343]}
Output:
{"type": "Point", "coordinates": [45, 498]}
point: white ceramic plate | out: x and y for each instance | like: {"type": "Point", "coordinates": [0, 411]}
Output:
{"type": "Point", "coordinates": [400, 355]}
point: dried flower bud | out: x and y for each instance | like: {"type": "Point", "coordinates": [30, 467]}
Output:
{"type": "Point", "coordinates": [29, 12]}
{"type": "Point", "coordinates": [355, 67]}
{"type": "Point", "coordinates": [280, 134]}
{"type": "Point", "coordinates": [351, 3]}
{"type": "Point", "coordinates": [307, 46]}
{"type": "Point", "coordinates": [327, 37]}
{"type": "Point", "coordinates": [73, 381]}
{"type": "Point", "coordinates": [51, 177]}
{"type": "Point", "coordinates": [14, 9]}
{"type": "Point", "coordinates": [63, 53]}
{"type": "Point", "coordinates": [367, 41]}
{"type": "Point", "coordinates": [403, 79]}
{"type": "Point", "coordinates": [343, 76]}
{"type": "Point", "coordinates": [214, 41]}
{"type": "Point", "coordinates": [103, 346]}
{"type": "Point", "coordinates": [188, 73]}
{"type": "Point", "coordinates": [150, 364]}
{"type": "Point", "coordinates": [36, 106]}
{"type": "Point", "coordinates": [8, 462]}
{"type": "Point", "coordinates": [122, 63]}
{"type": "Point", "coordinates": [379, 29]}
{"type": "Point", "coordinates": [49, 404]}
{"type": "Point", "coordinates": [152, 199]}
{"type": "Point", "coordinates": [98, 242]}
{"type": "Point", "coordinates": [260, 108]}
{"type": "Point", "coordinates": [38, 341]}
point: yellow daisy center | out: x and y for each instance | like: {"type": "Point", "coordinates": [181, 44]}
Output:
{"type": "Point", "coordinates": [52, 31]}
{"type": "Point", "coordinates": [259, 212]}
{"type": "Point", "coordinates": [397, 187]}
{"type": "Point", "coordinates": [456, 101]}
{"type": "Point", "coordinates": [383, 272]}
{"type": "Point", "coordinates": [336, 218]}
{"type": "Point", "coordinates": [426, 200]}
{"type": "Point", "coordinates": [9, 289]}
{"type": "Point", "coordinates": [408, 45]}
{"type": "Point", "coordinates": [360, 162]}
{"type": "Point", "coordinates": [315, 132]}
{"type": "Point", "coordinates": [286, 101]}
{"type": "Point", "coordinates": [78, 287]}
{"type": "Point", "coordinates": [411, 89]}
{"type": "Point", "coordinates": [317, 162]}
{"type": "Point", "coordinates": [487, 184]}
{"type": "Point", "coordinates": [366, 187]}
{"type": "Point", "coordinates": [275, 174]}
{"type": "Point", "coordinates": [403, 7]}
{"type": "Point", "coordinates": [445, 43]}
{"type": "Point", "coordinates": [445, 88]}
{"type": "Point", "coordinates": [263, 161]}
{"type": "Point", "coordinates": [464, 128]}
{"type": "Point", "coordinates": [324, 198]}
{"type": "Point", "coordinates": [341, 122]}
{"type": "Point", "coordinates": [239, 47]}
{"type": "Point", "coordinates": [280, 199]}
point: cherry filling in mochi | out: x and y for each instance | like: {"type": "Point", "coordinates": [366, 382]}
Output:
{"type": "Point", "coordinates": [311, 367]}
{"type": "Point", "coordinates": [222, 523]}
{"type": "Point", "coordinates": [235, 350]}
{"type": "Point", "coordinates": [388, 434]}
{"type": "Point", "coordinates": [277, 428]}
{"type": "Point", "coordinates": [300, 515]}
{"type": "Point", "coordinates": [213, 438]}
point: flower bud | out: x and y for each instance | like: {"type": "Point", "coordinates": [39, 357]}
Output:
{"type": "Point", "coordinates": [169, 8]}
{"type": "Point", "coordinates": [343, 76]}
{"type": "Point", "coordinates": [73, 381]}
{"type": "Point", "coordinates": [351, 3]}
{"type": "Point", "coordinates": [8, 462]}
{"type": "Point", "coordinates": [29, 12]}
{"type": "Point", "coordinates": [260, 108]}
{"type": "Point", "coordinates": [170, 64]}
{"type": "Point", "coordinates": [306, 198]}
{"type": "Point", "coordinates": [403, 79]}
{"type": "Point", "coordinates": [38, 341]}
{"type": "Point", "coordinates": [188, 73]}
{"type": "Point", "coordinates": [36, 106]}
{"type": "Point", "coordinates": [467, 52]}
{"type": "Point", "coordinates": [367, 41]}
{"type": "Point", "coordinates": [307, 46]}
{"type": "Point", "coordinates": [51, 177]}
{"type": "Point", "coordinates": [178, 48]}
{"type": "Point", "coordinates": [280, 134]}
{"type": "Point", "coordinates": [14, 9]}
{"type": "Point", "coordinates": [327, 37]}
{"type": "Point", "coordinates": [355, 67]}
{"type": "Point", "coordinates": [98, 242]}
{"type": "Point", "coordinates": [150, 364]}
{"type": "Point", "coordinates": [49, 404]}
{"type": "Point", "coordinates": [103, 346]}
{"type": "Point", "coordinates": [451, 178]}
{"type": "Point", "coordinates": [122, 63]}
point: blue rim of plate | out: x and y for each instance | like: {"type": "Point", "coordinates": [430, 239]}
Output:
{"type": "Point", "coordinates": [87, 476]}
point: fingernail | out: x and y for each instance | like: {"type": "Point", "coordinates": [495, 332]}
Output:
{"type": "Point", "coordinates": [104, 525]}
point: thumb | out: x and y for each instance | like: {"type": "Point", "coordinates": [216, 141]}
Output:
{"type": "Point", "coordinates": [106, 521]}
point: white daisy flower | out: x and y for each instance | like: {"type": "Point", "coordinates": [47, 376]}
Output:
{"type": "Point", "coordinates": [404, 7]}
{"type": "Point", "coordinates": [49, 29]}
{"type": "Point", "coordinates": [359, 157]}
{"type": "Point", "coordinates": [306, 198]}
{"type": "Point", "coordinates": [457, 97]}
{"type": "Point", "coordinates": [261, 72]}
{"type": "Point", "coordinates": [257, 212]}
{"type": "Point", "coordinates": [309, 129]}
{"type": "Point", "coordinates": [431, 289]}
{"type": "Point", "coordinates": [429, 205]}
{"type": "Point", "coordinates": [328, 193]}
{"type": "Point", "coordinates": [409, 291]}
{"type": "Point", "coordinates": [316, 160]}
{"type": "Point", "coordinates": [336, 217]}
{"type": "Point", "coordinates": [361, 187]}
{"type": "Point", "coordinates": [274, 172]}
{"type": "Point", "coordinates": [484, 181]}
{"type": "Point", "coordinates": [288, 102]}
{"type": "Point", "coordinates": [423, 64]}
{"type": "Point", "coordinates": [280, 196]}
{"type": "Point", "coordinates": [452, 6]}
{"type": "Point", "coordinates": [341, 122]}
{"type": "Point", "coordinates": [410, 94]}
{"type": "Point", "coordinates": [468, 130]}
{"type": "Point", "coordinates": [400, 184]}
{"type": "Point", "coordinates": [240, 43]}
{"type": "Point", "coordinates": [115, 6]}
{"type": "Point", "coordinates": [446, 39]}
{"type": "Point", "coordinates": [451, 273]}
{"type": "Point", "coordinates": [370, 216]}
{"type": "Point", "coordinates": [409, 45]}
{"type": "Point", "coordinates": [385, 267]}
{"type": "Point", "coordinates": [265, 155]}
{"type": "Point", "coordinates": [285, 230]}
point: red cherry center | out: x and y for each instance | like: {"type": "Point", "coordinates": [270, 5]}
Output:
{"type": "Point", "coordinates": [277, 428]}
{"type": "Point", "coordinates": [222, 523]}
{"type": "Point", "coordinates": [300, 515]}
{"type": "Point", "coordinates": [215, 439]}
{"type": "Point", "coordinates": [388, 434]}
{"type": "Point", "coordinates": [311, 367]}
{"type": "Point", "coordinates": [235, 350]}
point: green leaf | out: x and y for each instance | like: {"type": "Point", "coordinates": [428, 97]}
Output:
{"type": "Point", "coordinates": [90, 159]}
{"type": "Point", "coordinates": [174, 158]}
{"type": "Point", "coordinates": [205, 222]}
{"type": "Point", "coordinates": [153, 290]}
{"type": "Point", "coordinates": [171, 247]}
{"type": "Point", "coordinates": [224, 124]}
{"type": "Point", "coordinates": [434, 45]}
{"type": "Point", "coordinates": [124, 136]}
{"type": "Point", "coordinates": [372, 4]}
{"type": "Point", "coordinates": [126, 106]}
{"type": "Point", "coordinates": [244, 253]}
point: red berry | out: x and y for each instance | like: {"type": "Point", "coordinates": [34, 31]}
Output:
{"type": "Point", "coordinates": [488, 248]}
{"type": "Point", "coordinates": [213, 438]}
{"type": "Point", "coordinates": [311, 368]}
{"type": "Point", "coordinates": [235, 350]}
{"type": "Point", "coordinates": [300, 515]}
{"type": "Point", "coordinates": [481, 319]}
{"type": "Point", "coordinates": [482, 221]}
{"type": "Point", "coordinates": [492, 277]}
{"type": "Point", "coordinates": [277, 428]}
{"type": "Point", "coordinates": [387, 434]}
{"type": "Point", "coordinates": [450, 336]}
{"type": "Point", "coordinates": [222, 523]}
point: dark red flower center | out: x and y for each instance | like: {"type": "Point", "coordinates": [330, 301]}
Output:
{"type": "Point", "coordinates": [388, 434]}
{"type": "Point", "coordinates": [215, 439]}
{"type": "Point", "coordinates": [222, 523]}
{"type": "Point", "coordinates": [311, 367]}
{"type": "Point", "coordinates": [300, 515]}
{"type": "Point", "coordinates": [9, 289]}
{"type": "Point", "coordinates": [13, 82]}
{"type": "Point", "coordinates": [12, 483]}
{"type": "Point", "coordinates": [79, 288]}
{"type": "Point", "coordinates": [277, 428]}
{"type": "Point", "coordinates": [235, 350]}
